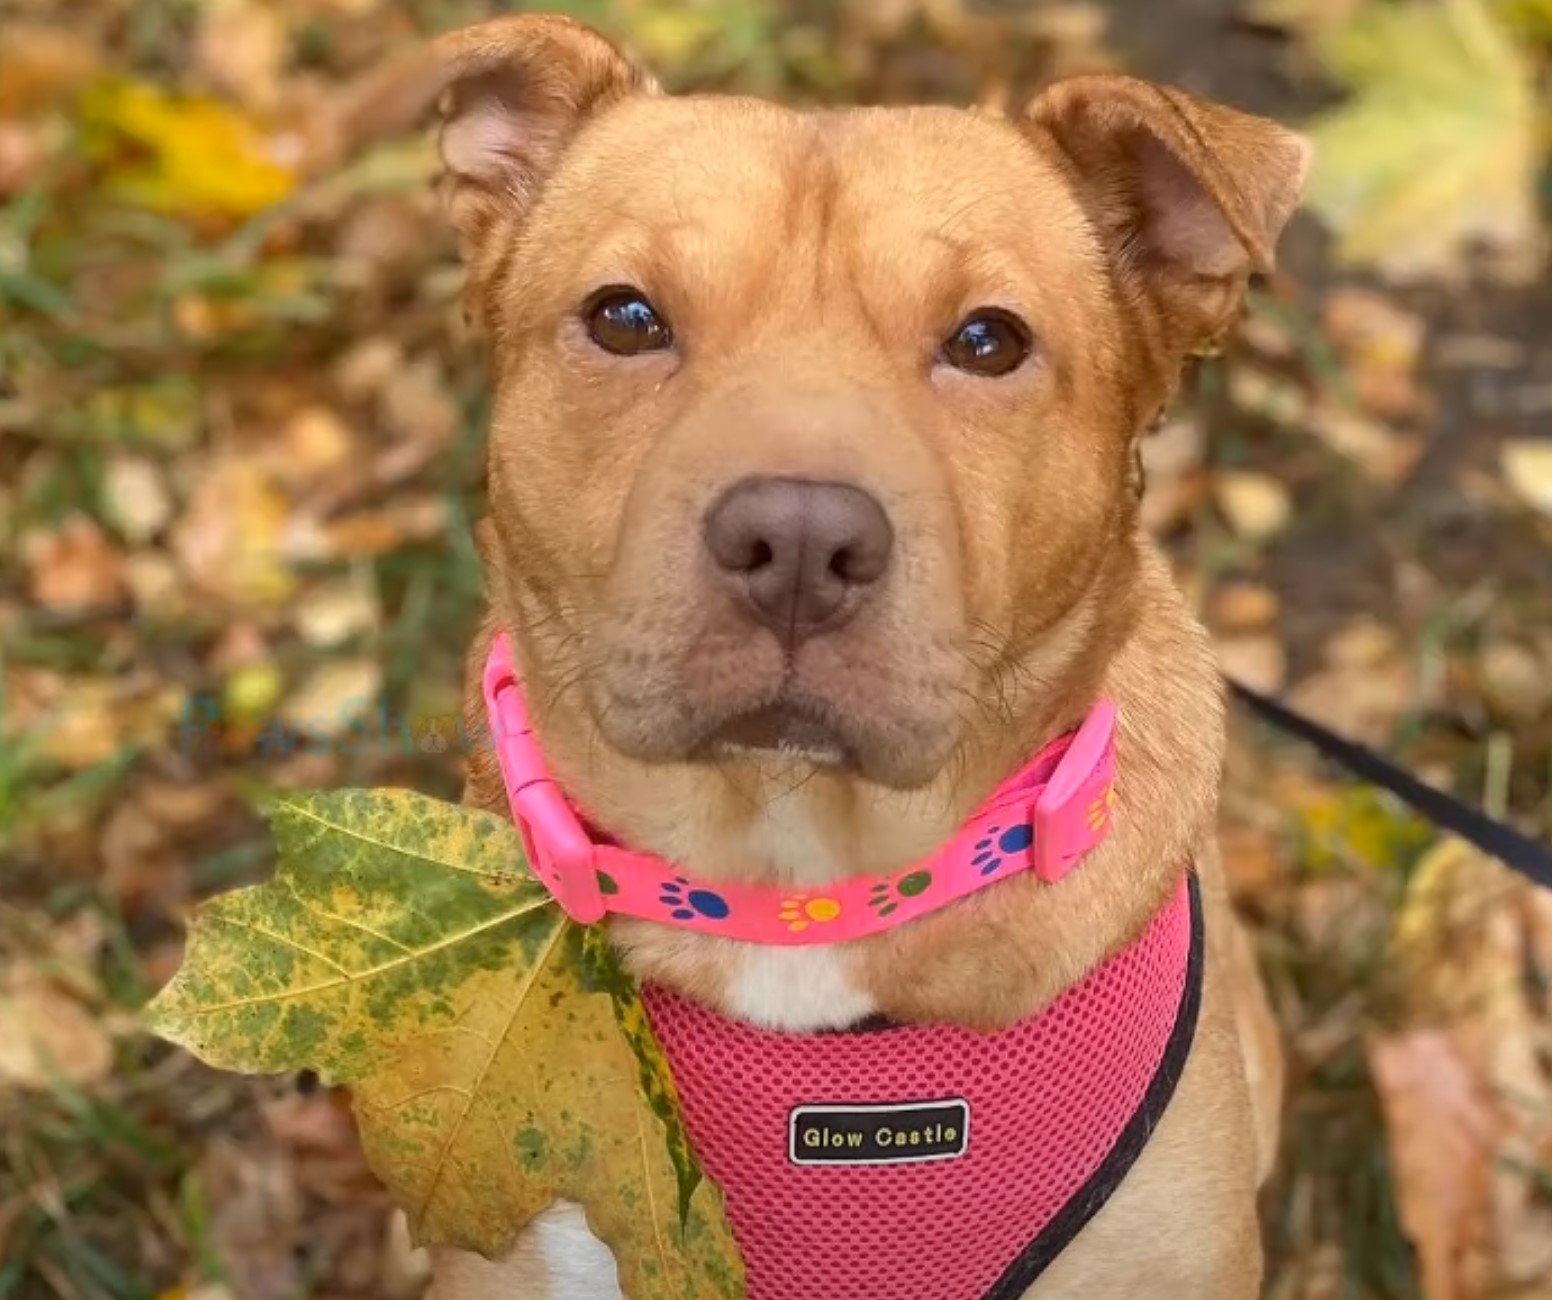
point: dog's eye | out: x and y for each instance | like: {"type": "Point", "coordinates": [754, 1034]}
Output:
{"type": "Point", "coordinates": [988, 342]}
{"type": "Point", "coordinates": [621, 320]}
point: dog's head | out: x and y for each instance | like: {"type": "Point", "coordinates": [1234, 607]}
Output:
{"type": "Point", "coordinates": [814, 431]}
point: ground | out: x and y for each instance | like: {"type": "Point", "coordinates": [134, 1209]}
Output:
{"type": "Point", "coordinates": [240, 432]}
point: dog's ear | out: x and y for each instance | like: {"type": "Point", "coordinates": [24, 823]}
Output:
{"type": "Point", "coordinates": [1189, 197]}
{"type": "Point", "coordinates": [516, 91]}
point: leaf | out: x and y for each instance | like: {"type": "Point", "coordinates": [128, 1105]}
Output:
{"type": "Point", "coordinates": [404, 950]}
{"type": "Point", "coordinates": [1527, 464]}
{"type": "Point", "coordinates": [183, 156]}
{"type": "Point", "coordinates": [1438, 147]}
{"type": "Point", "coordinates": [1443, 1130]}
{"type": "Point", "coordinates": [49, 1036]}
{"type": "Point", "coordinates": [1465, 1087]}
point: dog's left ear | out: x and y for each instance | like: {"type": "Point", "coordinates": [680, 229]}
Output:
{"type": "Point", "coordinates": [1188, 196]}
{"type": "Point", "coordinates": [516, 91]}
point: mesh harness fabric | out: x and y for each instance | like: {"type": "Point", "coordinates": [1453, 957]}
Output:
{"type": "Point", "coordinates": [895, 1162]}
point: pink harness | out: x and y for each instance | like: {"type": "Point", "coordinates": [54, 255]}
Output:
{"type": "Point", "coordinates": [895, 1162]}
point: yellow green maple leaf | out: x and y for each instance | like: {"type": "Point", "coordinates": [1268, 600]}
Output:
{"type": "Point", "coordinates": [182, 155]}
{"type": "Point", "coordinates": [1438, 146]}
{"type": "Point", "coordinates": [497, 1056]}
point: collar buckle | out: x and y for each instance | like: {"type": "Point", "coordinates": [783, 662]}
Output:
{"type": "Point", "coordinates": [1073, 812]}
{"type": "Point", "coordinates": [560, 851]}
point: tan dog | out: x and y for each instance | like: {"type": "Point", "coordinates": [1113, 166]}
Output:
{"type": "Point", "coordinates": [931, 339]}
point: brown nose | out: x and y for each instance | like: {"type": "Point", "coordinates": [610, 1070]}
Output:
{"type": "Point", "coordinates": [802, 554]}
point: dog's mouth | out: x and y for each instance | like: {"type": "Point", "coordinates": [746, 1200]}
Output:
{"type": "Point", "coordinates": [790, 728]}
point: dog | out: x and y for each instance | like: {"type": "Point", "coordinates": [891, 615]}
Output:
{"type": "Point", "coordinates": [813, 514]}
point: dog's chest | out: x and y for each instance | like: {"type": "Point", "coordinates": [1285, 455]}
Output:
{"type": "Point", "coordinates": [797, 989]}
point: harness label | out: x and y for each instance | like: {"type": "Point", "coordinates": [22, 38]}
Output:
{"type": "Point", "coordinates": [879, 1135]}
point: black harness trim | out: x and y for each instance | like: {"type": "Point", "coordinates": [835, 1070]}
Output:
{"type": "Point", "coordinates": [1071, 1219]}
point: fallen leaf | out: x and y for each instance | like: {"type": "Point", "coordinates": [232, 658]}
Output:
{"type": "Point", "coordinates": [336, 697]}
{"type": "Point", "coordinates": [39, 65]}
{"type": "Point", "coordinates": [136, 497]}
{"type": "Point", "coordinates": [48, 1036]}
{"type": "Point", "coordinates": [333, 613]}
{"type": "Point", "coordinates": [229, 539]}
{"type": "Point", "coordinates": [404, 950]}
{"type": "Point", "coordinates": [1527, 465]}
{"type": "Point", "coordinates": [256, 1221]}
{"type": "Point", "coordinates": [367, 367]}
{"type": "Point", "coordinates": [1242, 607]}
{"type": "Point", "coordinates": [1381, 344]}
{"type": "Point", "coordinates": [1461, 958]}
{"type": "Point", "coordinates": [1443, 1130]}
{"type": "Point", "coordinates": [1437, 149]}
{"type": "Point", "coordinates": [74, 568]}
{"type": "Point", "coordinates": [366, 532]}
{"type": "Point", "coordinates": [1272, 397]}
{"type": "Point", "coordinates": [1515, 681]}
{"type": "Point", "coordinates": [315, 442]}
{"type": "Point", "coordinates": [1255, 505]}
{"type": "Point", "coordinates": [1385, 455]}
{"type": "Point", "coordinates": [191, 156]}
{"type": "Point", "coordinates": [1257, 660]}
{"type": "Point", "coordinates": [240, 48]}
{"type": "Point", "coordinates": [81, 721]}
{"type": "Point", "coordinates": [21, 157]}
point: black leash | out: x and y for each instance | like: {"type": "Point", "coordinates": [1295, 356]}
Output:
{"type": "Point", "coordinates": [1518, 852]}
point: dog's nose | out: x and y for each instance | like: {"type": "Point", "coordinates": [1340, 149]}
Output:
{"type": "Point", "coordinates": [802, 554]}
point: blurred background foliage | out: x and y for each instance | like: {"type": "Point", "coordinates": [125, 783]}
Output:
{"type": "Point", "coordinates": [240, 450]}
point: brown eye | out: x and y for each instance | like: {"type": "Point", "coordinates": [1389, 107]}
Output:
{"type": "Point", "coordinates": [621, 320]}
{"type": "Point", "coordinates": [988, 342]}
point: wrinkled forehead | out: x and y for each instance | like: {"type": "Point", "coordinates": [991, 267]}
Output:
{"type": "Point", "coordinates": [718, 189]}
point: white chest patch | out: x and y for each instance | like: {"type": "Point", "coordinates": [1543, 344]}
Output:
{"type": "Point", "coordinates": [797, 989]}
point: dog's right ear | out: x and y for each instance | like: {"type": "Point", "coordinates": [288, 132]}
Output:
{"type": "Point", "coordinates": [517, 90]}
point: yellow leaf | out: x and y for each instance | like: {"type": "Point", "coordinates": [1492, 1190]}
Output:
{"type": "Point", "coordinates": [184, 156]}
{"type": "Point", "coordinates": [1527, 464]}
{"type": "Point", "coordinates": [497, 1056]}
{"type": "Point", "coordinates": [1438, 147]}
{"type": "Point", "coordinates": [1531, 18]}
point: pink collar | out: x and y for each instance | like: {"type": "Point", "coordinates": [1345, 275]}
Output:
{"type": "Point", "coordinates": [1044, 818]}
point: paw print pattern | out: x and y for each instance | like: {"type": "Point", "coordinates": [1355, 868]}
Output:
{"type": "Point", "coordinates": [992, 850]}
{"type": "Point", "coordinates": [802, 911]}
{"type": "Point", "coordinates": [1099, 810]}
{"type": "Point", "coordinates": [685, 904]}
{"type": "Point", "coordinates": [886, 896]}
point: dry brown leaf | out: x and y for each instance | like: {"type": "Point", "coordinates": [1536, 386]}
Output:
{"type": "Point", "coordinates": [74, 568]}
{"type": "Point", "coordinates": [1242, 607]}
{"type": "Point", "coordinates": [315, 442]}
{"type": "Point", "coordinates": [240, 48]}
{"type": "Point", "coordinates": [367, 532]}
{"type": "Point", "coordinates": [1259, 661]}
{"type": "Point", "coordinates": [81, 721]}
{"type": "Point", "coordinates": [1385, 455]}
{"type": "Point", "coordinates": [1443, 1127]}
{"type": "Point", "coordinates": [1515, 681]}
{"type": "Point", "coordinates": [256, 1217]}
{"type": "Point", "coordinates": [39, 65]}
{"type": "Point", "coordinates": [49, 1035]}
{"type": "Point", "coordinates": [228, 540]}
{"type": "Point", "coordinates": [1382, 343]}
{"type": "Point", "coordinates": [1463, 952]}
